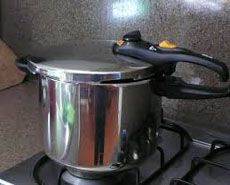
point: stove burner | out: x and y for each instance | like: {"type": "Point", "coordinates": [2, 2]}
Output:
{"type": "Point", "coordinates": [60, 176]}
{"type": "Point", "coordinates": [123, 178]}
{"type": "Point", "coordinates": [218, 149]}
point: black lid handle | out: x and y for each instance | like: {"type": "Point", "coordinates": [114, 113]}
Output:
{"type": "Point", "coordinates": [158, 54]}
{"type": "Point", "coordinates": [166, 54]}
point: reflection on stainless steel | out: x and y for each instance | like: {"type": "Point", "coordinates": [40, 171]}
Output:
{"type": "Point", "coordinates": [94, 126]}
{"type": "Point", "coordinates": [128, 8]}
{"type": "Point", "coordinates": [205, 5]}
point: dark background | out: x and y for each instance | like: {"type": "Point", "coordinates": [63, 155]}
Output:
{"type": "Point", "coordinates": [201, 25]}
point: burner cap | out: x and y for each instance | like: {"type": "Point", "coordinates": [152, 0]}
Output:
{"type": "Point", "coordinates": [69, 179]}
{"type": "Point", "coordinates": [48, 172]}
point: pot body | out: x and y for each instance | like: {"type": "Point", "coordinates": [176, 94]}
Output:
{"type": "Point", "coordinates": [98, 127]}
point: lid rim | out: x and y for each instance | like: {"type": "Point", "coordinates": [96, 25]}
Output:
{"type": "Point", "coordinates": [88, 62]}
{"type": "Point", "coordinates": [77, 76]}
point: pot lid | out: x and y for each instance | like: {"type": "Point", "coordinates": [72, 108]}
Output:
{"type": "Point", "coordinates": [87, 61]}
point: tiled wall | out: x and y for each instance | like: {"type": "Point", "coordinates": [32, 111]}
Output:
{"type": "Point", "coordinates": [201, 25]}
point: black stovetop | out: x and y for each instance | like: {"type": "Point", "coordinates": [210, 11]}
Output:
{"type": "Point", "coordinates": [178, 161]}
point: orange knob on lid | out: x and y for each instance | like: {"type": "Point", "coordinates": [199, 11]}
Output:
{"type": "Point", "coordinates": [167, 44]}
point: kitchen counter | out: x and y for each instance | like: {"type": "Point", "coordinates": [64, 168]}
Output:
{"type": "Point", "coordinates": [20, 130]}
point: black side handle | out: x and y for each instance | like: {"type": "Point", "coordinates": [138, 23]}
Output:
{"type": "Point", "coordinates": [132, 45]}
{"type": "Point", "coordinates": [23, 63]}
{"type": "Point", "coordinates": [175, 88]}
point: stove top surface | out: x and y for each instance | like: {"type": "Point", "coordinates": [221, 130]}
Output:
{"type": "Point", "coordinates": [178, 161]}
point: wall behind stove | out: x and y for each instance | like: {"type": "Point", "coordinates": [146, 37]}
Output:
{"type": "Point", "coordinates": [201, 25]}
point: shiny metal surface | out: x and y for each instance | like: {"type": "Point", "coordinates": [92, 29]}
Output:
{"type": "Point", "coordinates": [98, 127]}
{"type": "Point", "coordinates": [88, 61]}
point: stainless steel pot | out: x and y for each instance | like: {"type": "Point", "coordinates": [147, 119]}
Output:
{"type": "Point", "coordinates": [101, 111]}
{"type": "Point", "coordinates": [96, 117]}
{"type": "Point", "coordinates": [98, 127]}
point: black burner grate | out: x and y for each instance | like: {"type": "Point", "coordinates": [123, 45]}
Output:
{"type": "Point", "coordinates": [217, 148]}
{"type": "Point", "coordinates": [185, 141]}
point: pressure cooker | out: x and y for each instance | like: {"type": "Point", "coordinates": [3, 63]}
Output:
{"type": "Point", "coordinates": [101, 101]}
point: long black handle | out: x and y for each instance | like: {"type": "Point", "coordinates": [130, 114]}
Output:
{"type": "Point", "coordinates": [132, 45]}
{"type": "Point", "coordinates": [175, 88]}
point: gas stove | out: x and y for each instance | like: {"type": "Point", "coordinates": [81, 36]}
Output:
{"type": "Point", "coordinates": [179, 160]}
